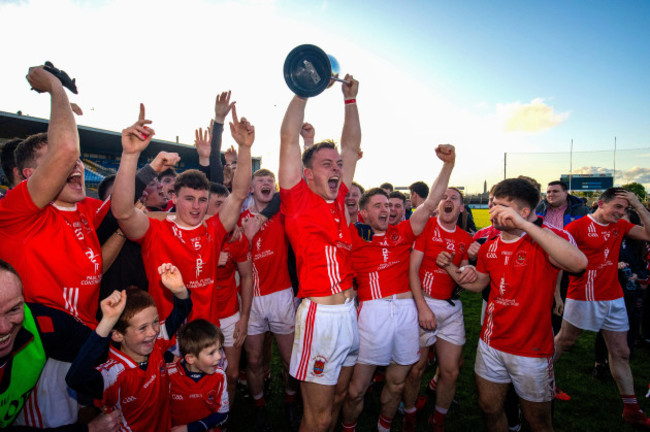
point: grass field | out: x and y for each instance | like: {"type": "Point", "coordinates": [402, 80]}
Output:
{"type": "Point", "coordinates": [595, 405]}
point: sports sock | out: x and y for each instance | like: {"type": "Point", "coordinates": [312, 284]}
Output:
{"type": "Point", "coordinates": [348, 427]}
{"type": "Point", "coordinates": [383, 424]}
{"type": "Point", "coordinates": [439, 415]}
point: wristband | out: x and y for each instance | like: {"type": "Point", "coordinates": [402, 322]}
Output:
{"type": "Point", "coordinates": [350, 101]}
{"type": "Point", "coordinates": [120, 233]}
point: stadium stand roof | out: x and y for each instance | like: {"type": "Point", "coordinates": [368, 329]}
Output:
{"type": "Point", "coordinates": [99, 143]}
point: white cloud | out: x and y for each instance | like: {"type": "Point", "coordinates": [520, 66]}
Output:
{"type": "Point", "coordinates": [535, 116]}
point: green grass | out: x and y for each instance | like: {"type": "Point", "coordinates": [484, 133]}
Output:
{"type": "Point", "coordinates": [595, 405]}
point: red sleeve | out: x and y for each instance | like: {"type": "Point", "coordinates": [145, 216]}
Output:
{"type": "Point", "coordinates": [240, 249]}
{"type": "Point", "coordinates": [421, 240]}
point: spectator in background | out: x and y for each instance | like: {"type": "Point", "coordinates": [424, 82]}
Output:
{"type": "Point", "coordinates": [387, 187]}
{"type": "Point", "coordinates": [418, 193]}
{"type": "Point", "coordinates": [559, 208]}
{"type": "Point", "coordinates": [8, 161]}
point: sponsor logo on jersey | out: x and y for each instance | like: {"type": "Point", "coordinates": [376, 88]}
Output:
{"type": "Point", "coordinates": [591, 230]}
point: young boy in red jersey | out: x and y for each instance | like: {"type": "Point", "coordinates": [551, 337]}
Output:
{"type": "Point", "coordinates": [134, 379]}
{"type": "Point", "coordinates": [198, 386]}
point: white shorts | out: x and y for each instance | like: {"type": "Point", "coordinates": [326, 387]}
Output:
{"type": "Point", "coordinates": [228, 329]}
{"type": "Point", "coordinates": [596, 315]}
{"type": "Point", "coordinates": [52, 403]}
{"type": "Point", "coordinates": [326, 338]}
{"type": "Point", "coordinates": [532, 377]}
{"type": "Point", "coordinates": [273, 312]}
{"type": "Point", "coordinates": [451, 325]}
{"type": "Point", "coordinates": [388, 331]}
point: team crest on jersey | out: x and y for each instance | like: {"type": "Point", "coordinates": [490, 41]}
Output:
{"type": "Point", "coordinates": [394, 237]}
{"type": "Point", "coordinates": [606, 234]}
{"type": "Point", "coordinates": [615, 232]}
{"type": "Point", "coordinates": [319, 365]}
{"type": "Point", "coordinates": [520, 258]}
{"type": "Point", "coordinates": [462, 248]}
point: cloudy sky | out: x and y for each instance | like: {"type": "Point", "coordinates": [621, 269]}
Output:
{"type": "Point", "coordinates": [524, 78]}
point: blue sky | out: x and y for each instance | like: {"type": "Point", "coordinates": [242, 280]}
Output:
{"type": "Point", "coordinates": [489, 77]}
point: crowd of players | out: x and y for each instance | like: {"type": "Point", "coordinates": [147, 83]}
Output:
{"type": "Point", "coordinates": [140, 304]}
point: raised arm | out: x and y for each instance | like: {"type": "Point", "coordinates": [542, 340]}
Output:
{"type": "Point", "coordinates": [638, 232]}
{"type": "Point", "coordinates": [562, 253]}
{"type": "Point", "coordinates": [290, 169]}
{"type": "Point", "coordinates": [244, 134]}
{"type": "Point", "coordinates": [45, 183]}
{"type": "Point", "coordinates": [447, 154]}
{"type": "Point", "coordinates": [133, 222]}
{"type": "Point", "coordinates": [351, 135]}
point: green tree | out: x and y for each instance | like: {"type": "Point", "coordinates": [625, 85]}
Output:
{"type": "Point", "coordinates": [637, 189]}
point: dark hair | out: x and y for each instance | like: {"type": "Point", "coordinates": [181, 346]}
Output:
{"type": "Point", "coordinates": [361, 189]}
{"type": "Point", "coordinates": [532, 181]}
{"type": "Point", "coordinates": [420, 188]}
{"type": "Point", "coordinates": [387, 186]}
{"type": "Point", "coordinates": [518, 189]}
{"type": "Point", "coordinates": [8, 160]}
{"type": "Point", "coordinates": [397, 194]}
{"type": "Point", "coordinates": [559, 183]}
{"type": "Point", "coordinates": [4, 265]}
{"type": "Point", "coordinates": [610, 194]}
{"type": "Point", "coordinates": [218, 189]}
{"type": "Point", "coordinates": [169, 172]}
{"type": "Point", "coordinates": [136, 300]}
{"type": "Point", "coordinates": [193, 179]}
{"type": "Point", "coordinates": [197, 335]}
{"type": "Point", "coordinates": [104, 185]}
{"type": "Point", "coordinates": [365, 198]}
{"type": "Point", "coordinates": [308, 154]}
{"type": "Point", "coordinates": [27, 148]}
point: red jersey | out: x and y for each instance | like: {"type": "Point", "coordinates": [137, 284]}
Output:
{"type": "Point", "coordinates": [381, 266]}
{"type": "Point", "coordinates": [601, 245]}
{"type": "Point", "coordinates": [191, 400]}
{"type": "Point", "coordinates": [141, 395]}
{"type": "Point", "coordinates": [55, 250]}
{"type": "Point", "coordinates": [194, 251]}
{"type": "Point", "coordinates": [486, 233]}
{"type": "Point", "coordinates": [436, 282]}
{"type": "Point", "coordinates": [269, 253]}
{"type": "Point", "coordinates": [225, 294]}
{"type": "Point", "coordinates": [522, 285]}
{"type": "Point", "coordinates": [320, 237]}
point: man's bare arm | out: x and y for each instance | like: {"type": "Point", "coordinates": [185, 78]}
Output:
{"type": "Point", "coordinates": [562, 253]}
{"type": "Point", "coordinates": [447, 154]}
{"type": "Point", "coordinates": [351, 135]}
{"type": "Point", "coordinates": [244, 134]}
{"type": "Point", "coordinates": [62, 140]}
{"type": "Point", "coordinates": [133, 222]}
{"type": "Point", "coordinates": [638, 232]}
{"type": "Point", "coordinates": [290, 170]}
{"type": "Point", "coordinates": [426, 317]}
